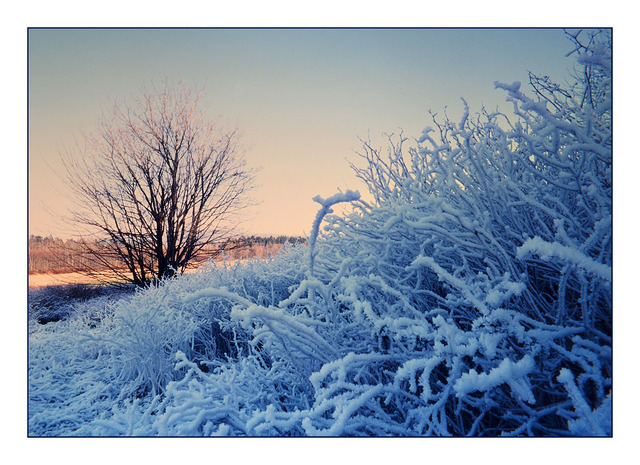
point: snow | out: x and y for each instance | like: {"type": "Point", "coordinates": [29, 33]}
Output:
{"type": "Point", "coordinates": [506, 372]}
{"type": "Point", "coordinates": [546, 251]}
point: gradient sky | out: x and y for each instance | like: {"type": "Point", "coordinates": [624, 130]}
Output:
{"type": "Point", "coordinates": [301, 97]}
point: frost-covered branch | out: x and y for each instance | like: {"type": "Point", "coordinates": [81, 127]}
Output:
{"type": "Point", "coordinates": [326, 204]}
{"type": "Point", "coordinates": [547, 250]}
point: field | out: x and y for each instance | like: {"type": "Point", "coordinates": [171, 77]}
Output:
{"type": "Point", "coordinates": [37, 280]}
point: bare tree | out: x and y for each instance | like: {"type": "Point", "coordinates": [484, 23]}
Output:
{"type": "Point", "coordinates": [156, 183]}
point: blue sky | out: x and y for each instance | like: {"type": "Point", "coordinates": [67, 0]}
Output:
{"type": "Point", "coordinates": [301, 97]}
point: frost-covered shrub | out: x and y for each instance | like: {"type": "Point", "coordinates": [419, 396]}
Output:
{"type": "Point", "coordinates": [485, 218]}
{"type": "Point", "coordinates": [110, 354]}
{"type": "Point", "coordinates": [481, 271]}
{"type": "Point", "coordinates": [54, 303]}
{"type": "Point", "coordinates": [70, 380]}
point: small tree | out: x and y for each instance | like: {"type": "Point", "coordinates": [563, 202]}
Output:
{"type": "Point", "coordinates": [156, 183]}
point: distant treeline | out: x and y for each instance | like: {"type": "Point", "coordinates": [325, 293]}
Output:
{"type": "Point", "coordinates": [256, 246]}
{"type": "Point", "coordinates": [51, 254]}
{"type": "Point", "coordinates": [54, 255]}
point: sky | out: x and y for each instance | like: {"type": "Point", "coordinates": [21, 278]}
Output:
{"type": "Point", "coordinates": [302, 98]}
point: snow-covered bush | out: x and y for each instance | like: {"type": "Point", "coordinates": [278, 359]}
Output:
{"type": "Point", "coordinates": [129, 346]}
{"type": "Point", "coordinates": [472, 297]}
{"type": "Point", "coordinates": [70, 380]}
{"type": "Point", "coordinates": [497, 230]}
{"type": "Point", "coordinates": [54, 303]}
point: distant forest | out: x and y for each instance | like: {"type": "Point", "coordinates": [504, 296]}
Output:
{"type": "Point", "coordinates": [54, 255]}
